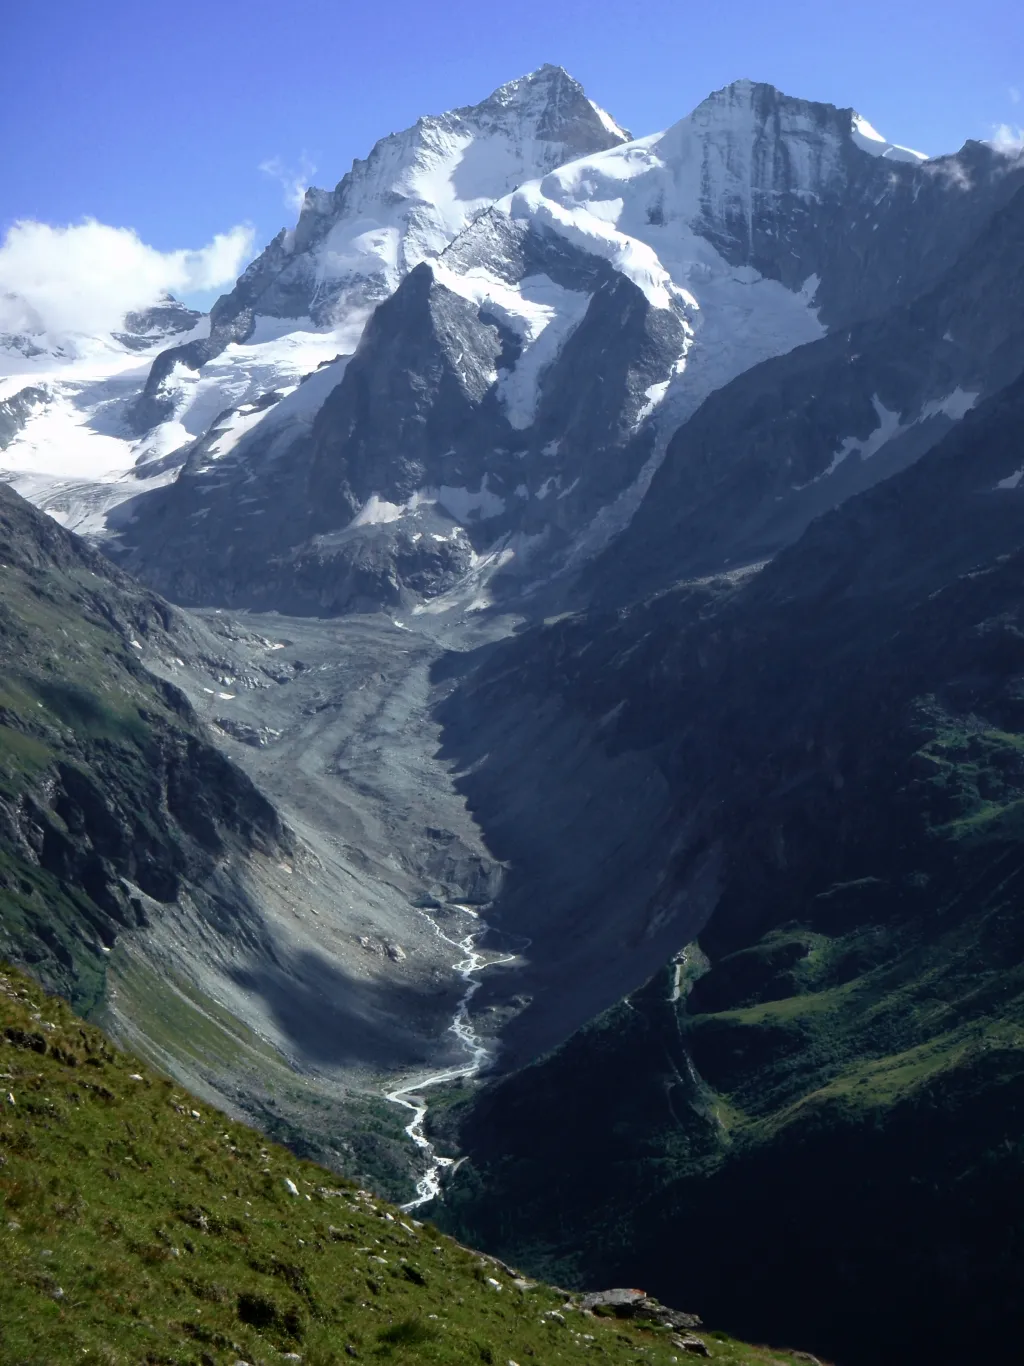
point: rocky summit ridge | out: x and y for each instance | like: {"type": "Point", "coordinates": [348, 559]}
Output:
{"type": "Point", "coordinates": [403, 204]}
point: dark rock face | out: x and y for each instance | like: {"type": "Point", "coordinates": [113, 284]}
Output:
{"type": "Point", "coordinates": [149, 325]}
{"type": "Point", "coordinates": [16, 410]}
{"type": "Point", "coordinates": [844, 727]}
{"type": "Point", "coordinates": [801, 433]}
{"type": "Point", "coordinates": [366, 569]}
{"type": "Point", "coordinates": [113, 805]}
{"type": "Point", "coordinates": [417, 422]}
{"type": "Point", "coordinates": [199, 541]}
{"type": "Point", "coordinates": [417, 382]}
{"type": "Point", "coordinates": [419, 405]}
{"type": "Point", "coordinates": [875, 231]}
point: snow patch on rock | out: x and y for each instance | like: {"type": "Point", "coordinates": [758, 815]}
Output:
{"type": "Point", "coordinates": [890, 425]}
{"type": "Point", "coordinates": [868, 139]}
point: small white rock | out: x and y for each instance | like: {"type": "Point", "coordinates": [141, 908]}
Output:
{"type": "Point", "coordinates": [290, 1186]}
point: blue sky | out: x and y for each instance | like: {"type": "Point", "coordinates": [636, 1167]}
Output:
{"type": "Point", "coordinates": [158, 117]}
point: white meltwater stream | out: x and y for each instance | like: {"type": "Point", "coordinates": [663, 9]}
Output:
{"type": "Point", "coordinates": [429, 1185]}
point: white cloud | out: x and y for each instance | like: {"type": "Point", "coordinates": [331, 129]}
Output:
{"type": "Point", "coordinates": [293, 179]}
{"type": "Point", "coordinates": [85, 277]}
{"type": "Point", "coordinates": [1008, 138]}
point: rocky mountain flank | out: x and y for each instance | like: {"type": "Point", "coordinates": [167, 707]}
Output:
{"type": "Point", "coordinates": [835, 1052]}
{"type": "Point", "coordinates": [799, 434]}
{"type": "Point", "coordinates": [145, 876]}
{"type": "Point", "coordinates": [114, 806]}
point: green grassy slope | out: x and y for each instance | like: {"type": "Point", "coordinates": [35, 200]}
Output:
{"type": "Point", "coordinates": [139, 1225]}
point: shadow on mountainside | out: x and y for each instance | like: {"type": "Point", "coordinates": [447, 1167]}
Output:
{"type": "Point", "coordinates": [333, 1018]}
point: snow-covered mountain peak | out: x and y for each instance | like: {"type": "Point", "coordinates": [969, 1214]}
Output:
{"type": "Point", "coordinates": [403, 204]}
{"type": "Point", "coordinates": [559, 291]}
{"type": "Point", "coordinates": [36, 350]}
{"type": "Point", "coordinates": [776, 140]}
{"type": "Point", "coordinates": [749, 137]}
{"type": "Point", "coordinates": [549, 83]}
{"type": "Point", "coordinates": [537, 96]}
{"type": "Point", "coordinates": [412, 195]}
{"type": "Point", "coordinates": [552, 106]}
{"type": "Point", "coordinates": [726, 221]}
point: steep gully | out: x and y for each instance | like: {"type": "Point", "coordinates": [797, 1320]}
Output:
{"type": "Point", "coordinates": [410, 1096]}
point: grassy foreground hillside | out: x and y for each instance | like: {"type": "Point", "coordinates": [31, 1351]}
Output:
{"type": "Point", "coordinates": [138, 1225]}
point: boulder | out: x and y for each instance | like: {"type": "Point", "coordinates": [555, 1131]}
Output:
{"type": "Point", "coordinates": [622, 1301]}
{"type": "Point", "coordinates": [696, 1346]}
{"type": "Point", "coordinates": [630, 1304]}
